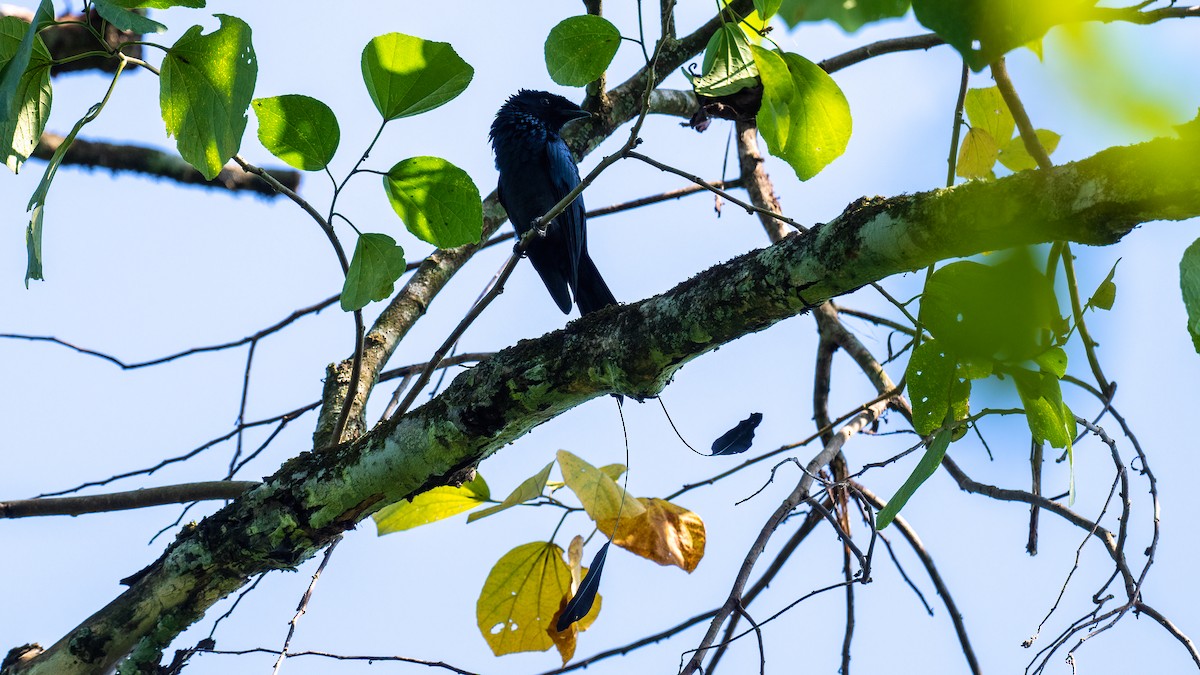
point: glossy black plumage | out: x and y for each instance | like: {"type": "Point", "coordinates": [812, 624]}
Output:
{"type": "Point", "coordinates": [536, 171]}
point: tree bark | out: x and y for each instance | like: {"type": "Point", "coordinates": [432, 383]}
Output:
{"type": "Point", "coordinates": [634, 350]}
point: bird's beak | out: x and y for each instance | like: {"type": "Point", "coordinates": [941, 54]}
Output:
{"type": "Point", "coordinates": [578, 115]}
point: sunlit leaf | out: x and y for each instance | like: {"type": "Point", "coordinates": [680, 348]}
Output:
{"type": "Point", "coordinates": [437, 201]}
{"type": "Point", "coordinates": [666, 533]}
{"type": "Point", "coordinates": [804, 118]}
{"type": "Point", "coordinates": [406, 75]}
{"type": "Point", "coordinates": [205, 86]}
{"type": "Point", "coordinates": [118, 14]}
{"type": "Point", "coordinates": [977, 155]}
{"type": "Point", "coordinates": [1053, 361]}
{"type": "Point", "coordinates": [300, 130]}
{"type": "Point", "coordinates": [1189, 283]}
{"type": "Point", "coordinates": [579, 49]}
{"type": "Point", "coordinates": [432, 505]}
{"type": "Point", "coordinates": [728, 64]}
{"type": "Point", "coordinates": [738, 439]}
{"type": "Point", "coordinates": [377, 263]}
{"type": "Point", "coordinates": [530, 488]}
{"type": "Point", "coordinates": [521, 595]}
{"type": "Point", "coordinates": [849, 14]}
{"type": "Point", "coordinates": [986, 109]}
{"type": "Point", "coordinates": [984, 30]}
{"type": "Point", "coordinates": [1015, 157]}
{"type": "Point", "coordinates": [25, 93]}
{"type": "Point", "coordinates": [600, 495]}
{"type": "Point", "coordinates": [767, 8]}
{"type": "Point", "coordinates": [1106, 292]}
{"type": "Point", "coordinates": [925, 468]}
{"type": "Point", "coordinates": [159, 4]}
{"type": "Point", "coordinates": [1041, 396]}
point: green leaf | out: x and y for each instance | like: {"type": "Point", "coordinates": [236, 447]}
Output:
{"type": "Point", "coordinates": [1106, 292]}
{"type": "Point", "coordinates": [406, 75]}
{"type": "Point", "coordinates": [1041, 396]}
{"type": "Point", "coordinates": [206, 85]}
{"type": "Point", "coordinates": [985, 312]}
{"type": "Point", "coordinates": [159, 4]}
{"type": "Point", "coordinates": [805, 118]}
{"type": "Point", "coordinates": [33, 246]}
{"type": "Point", "coordinates": [522, 593]}
{"type": "Point", "coordinates": [849, 15]}
{"type": "Point", "coordinates": [986, 109]}
{"type": "Point", "coordinates": [301, 131]}
{"type": "Point", "coordinates": [432, 505]}
{"type": "Point", "coordinates": [116, 13]}
{"type": "Point", "coordinates": [728, 64]}
{"type": "Point", "coordinates": [1189, 283]}
{"type": "Point", "coordinates": [29, 97]}
{"type": "Point", "coordinates": [931, 377]}
{"type": "Point", "coordinates": [579, 49]}
{"type": "Point", "coordinates": [977, 154]}
{"type": "Point", "coordinates": [378, 262]}
{"type": "Point", "coordinates": [925, 468]}
{"type": "Point", "coordinates": [1015, 157]}
{"type": "Point", "coordinates": [984, 30]}
{"type": "Point", "coordinates": [530, 488]}
{"type": "Point", "coordinates": [1053, 361]}
{"type": "Point", "coordinates": [767, 8]}
{"type": "Point", "coordinates": [437, 201]}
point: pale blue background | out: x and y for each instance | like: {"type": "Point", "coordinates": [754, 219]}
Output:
{"type": "Point", "coordinates": [140, 268]}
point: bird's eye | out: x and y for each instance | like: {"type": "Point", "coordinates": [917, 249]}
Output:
{"type": "Point", "coordinates": [546, 102]}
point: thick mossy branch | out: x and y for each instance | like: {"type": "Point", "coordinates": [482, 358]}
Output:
{"type": "Point", "coordinates": [632, 349]}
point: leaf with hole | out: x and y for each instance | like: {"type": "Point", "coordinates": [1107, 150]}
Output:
{"type": "Point", "coordinates": [205, 86]}
{"type": "Point", "coordinates": [520, 597]}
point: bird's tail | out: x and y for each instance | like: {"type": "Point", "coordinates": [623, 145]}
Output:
{"type": "Point", "coordinates": [591, 293]}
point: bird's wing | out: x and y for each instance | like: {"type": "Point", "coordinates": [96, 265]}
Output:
{"type": "Point", "coordinates": [572, 226]}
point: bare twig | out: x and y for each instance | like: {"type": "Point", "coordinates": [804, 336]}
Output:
{"type": "Point", "coordinates": [303, 606]}
{"type": "Point", "coordinates": [122, 501]}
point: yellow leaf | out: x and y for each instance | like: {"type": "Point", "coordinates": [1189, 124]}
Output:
{"type": "Point", "coordinates": [436, 504]}
{"type": "Point", "coordinates": [977, 155]}
{"type": "Point", "coordinates": [521, 598]}
{"type": "Point", "coordinates": [565, 641]}
{"type": "Point", "coordinates": [530, 488]}
{"type": "Point", "coordinates": [600, 495]}
{"type": "Point", "coordinates": [665, 533]}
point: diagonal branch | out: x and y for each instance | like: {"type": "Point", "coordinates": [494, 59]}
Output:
{"type": "Point", "coordinates": [634, 350]}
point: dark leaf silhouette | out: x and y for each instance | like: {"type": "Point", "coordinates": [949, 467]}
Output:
{"type": "Point", "coordinates": [738, 439]}
{"type": "Point", "coordinates": [581, 604]}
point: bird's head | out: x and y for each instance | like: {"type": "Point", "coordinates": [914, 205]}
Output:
{"type": "Point", "coordinates": [551, 109]}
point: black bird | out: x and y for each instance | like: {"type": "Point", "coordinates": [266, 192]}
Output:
{"type": "Point", "coordinates": [536, 171]}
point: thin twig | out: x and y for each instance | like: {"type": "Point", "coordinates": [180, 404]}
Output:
{"type": "Point", "coordinates": [303, 606]}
